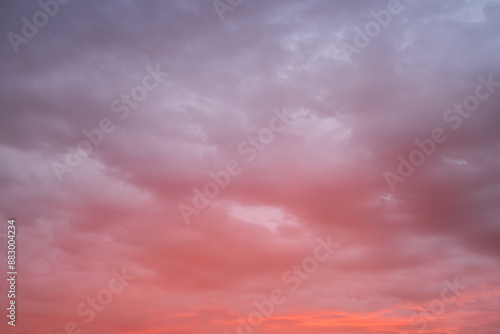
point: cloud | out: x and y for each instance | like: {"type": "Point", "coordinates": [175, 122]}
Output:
{"type": "Point", "coordinates": [323, 175]}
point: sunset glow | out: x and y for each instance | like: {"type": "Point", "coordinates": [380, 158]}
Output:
{"type": "Point", "coordinates": [250, 166]}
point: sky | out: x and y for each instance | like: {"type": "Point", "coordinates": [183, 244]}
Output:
{"type": "Point", "coordinates": [251, 166]}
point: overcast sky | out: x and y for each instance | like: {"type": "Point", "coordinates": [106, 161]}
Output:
{"type": "Point", "coordinates": [383, 138]}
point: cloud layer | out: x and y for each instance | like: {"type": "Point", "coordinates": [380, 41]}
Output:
{"type": "Point", "coordinates": [318, 169]}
